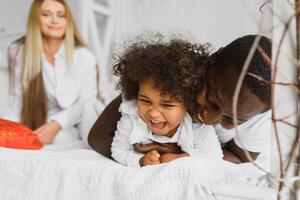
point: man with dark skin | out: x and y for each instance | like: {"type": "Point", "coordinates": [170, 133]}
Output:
{"type": "Point", "coordinates": [214, 101]}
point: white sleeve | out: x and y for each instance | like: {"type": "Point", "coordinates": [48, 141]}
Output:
{"type": "Point", "coordinates": [256, 137]}
{"type": "Point", "coordinates": [87, 93]}
{"type": "Point", "coordinates": [65, 118]}
{"type": "Point", "coordinates": [253, 135]}
{"type": "Point", "coordinates": [13, 110]}
{"type": "Point", "coordinates": [122, 150]}
{"type": "Point", "coordinates": [205, 143]}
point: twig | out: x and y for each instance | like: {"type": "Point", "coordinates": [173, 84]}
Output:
{"type": "Point", "coordinates": [263, 5]}
{"type": "Point", "coordinates": [285, 122]}
{"type": "Point", "coordinates": [290, 115]}
{"type": "Point", "coordinates": [292, 85]}
{"type": "Point", "coordinates": [296, 141]}
{"type": "Point", "coordinates": [238, 88]}
{"type": "Point", "coordinates": [282, 172]}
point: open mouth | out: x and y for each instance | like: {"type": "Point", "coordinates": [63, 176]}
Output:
{"type": "Point", "coordinates": [157, 125]}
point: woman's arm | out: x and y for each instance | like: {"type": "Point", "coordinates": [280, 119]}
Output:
{"type": "Point", "coordinates": [71, 104]}
{"type": "Point", "coordinates": [85, 78]}
{"type": "Point", "coordinates": [101, 135]}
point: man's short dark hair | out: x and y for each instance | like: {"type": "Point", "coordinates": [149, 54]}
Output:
{"type": "Point", "coordinates": [234, 56]}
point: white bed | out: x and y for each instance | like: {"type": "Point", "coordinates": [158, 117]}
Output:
{"type": "Point", "coordinates": [74, 173]}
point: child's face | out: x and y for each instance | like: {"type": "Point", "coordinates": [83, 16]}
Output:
{"type": "Point", "coordinates": [161, 114]}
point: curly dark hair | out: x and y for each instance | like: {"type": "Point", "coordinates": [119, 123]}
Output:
{"type": "Point", "coordinates": [176, 67]}
{"type": "Point", "coordinates": [234, 56]}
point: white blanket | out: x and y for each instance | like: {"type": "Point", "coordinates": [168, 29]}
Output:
{"type": "Point", "coordinates": [81, 174]}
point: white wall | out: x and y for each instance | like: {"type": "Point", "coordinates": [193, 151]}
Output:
{"type": "Point", "coordinates": [13, 14]}
{"type": "Point", "coordinates": [214, 21]}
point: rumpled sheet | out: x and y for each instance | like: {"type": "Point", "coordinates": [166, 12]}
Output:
{"type": "Point", "coordinates": [62, 173]}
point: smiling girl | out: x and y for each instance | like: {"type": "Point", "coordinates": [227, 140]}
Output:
{"type": "Point", "coordinates": [52, 73]}
{"type": "Point", "coordinates": [158, 82]}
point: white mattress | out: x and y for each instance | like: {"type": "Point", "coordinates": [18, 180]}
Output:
{"type": "Point", "coordinates": [74, 173]}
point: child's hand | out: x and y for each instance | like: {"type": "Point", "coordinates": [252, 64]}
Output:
{"type": "Point", "coordinates": [150, 158]}
{"type": "Point", "coordinates": [168, 157]}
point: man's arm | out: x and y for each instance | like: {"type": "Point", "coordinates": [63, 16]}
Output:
{"type": "Point", "coordinates": [102, 133]}
{"type": "Point", "coordinates": [235, 154]}
{"type": "Point", "coordinates": [159, 147]}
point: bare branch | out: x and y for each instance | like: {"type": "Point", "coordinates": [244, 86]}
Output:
{"type": "Point", "coordinates": [285, 122]}
{"type": "Point", "coordinates": [238, 88]}
{"type": "Point", "coordinates": [290, 115]}
{"type": "Point", "coordinates": [264, 4]}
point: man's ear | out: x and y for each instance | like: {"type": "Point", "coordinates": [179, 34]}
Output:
{"type": "Point", "coordinates": [201, 96]}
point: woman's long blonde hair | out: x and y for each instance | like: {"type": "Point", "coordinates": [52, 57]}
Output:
{"type": "Point", "coordinates": [34, 107]}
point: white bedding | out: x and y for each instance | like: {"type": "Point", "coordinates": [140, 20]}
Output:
{"type": "Point", "coordinates": [80, 174]}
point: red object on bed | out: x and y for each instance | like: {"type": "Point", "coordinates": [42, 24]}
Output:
{"type": "Point", "coordinates": [18, 136]}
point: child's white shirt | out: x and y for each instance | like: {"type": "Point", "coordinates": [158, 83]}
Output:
{"type": "Point", "coordinates": [193, 138]}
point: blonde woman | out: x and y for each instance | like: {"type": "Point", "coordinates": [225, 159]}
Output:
{"type": "Point", "coordinates": [53, 74]}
